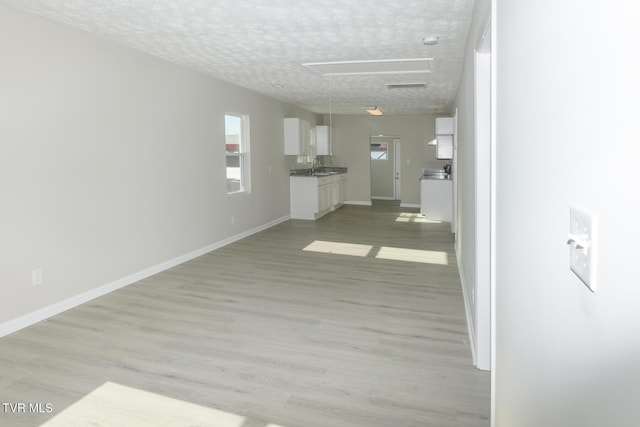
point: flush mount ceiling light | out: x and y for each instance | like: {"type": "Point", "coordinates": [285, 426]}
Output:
{"type": "Point", "coordinates": [372, 67]}
{"type": "Point", "coordinates": [374, 111]}
{"type": "Point", "coordinates": [430, 40]}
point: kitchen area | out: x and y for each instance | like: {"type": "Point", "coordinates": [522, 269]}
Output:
{"type": "Point", "coordinates": [318, 166]}
{"type": "Point", "coordinates": [317, 190]}
{"type": "Point", "coordinates": [436, 185]}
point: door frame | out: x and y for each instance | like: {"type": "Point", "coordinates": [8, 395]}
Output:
{"type": "Point", "coordinates": [393, 145]}
{"type": "Point", "coordinates": [483, 199]}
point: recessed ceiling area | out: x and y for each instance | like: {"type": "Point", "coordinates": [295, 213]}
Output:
{"type": "Point", "coordinates": [263, 44]}
{"type": "Point", "coordinates": [371, 67]}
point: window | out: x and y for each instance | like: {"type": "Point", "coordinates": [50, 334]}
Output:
{"type": "Point", "coordinates": [379, 151]}
{"type": "Point", "coordinates": [237, 153]}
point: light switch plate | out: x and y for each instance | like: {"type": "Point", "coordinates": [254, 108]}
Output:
{"type": "Point", "coordinates": [584, 247]}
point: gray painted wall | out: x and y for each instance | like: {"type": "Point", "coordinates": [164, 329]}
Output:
{"type": "Point", "coordinates": [567, 134]}
{"type": "Point", "coordinates": [113, 161]}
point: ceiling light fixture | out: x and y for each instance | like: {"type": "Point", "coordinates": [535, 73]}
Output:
{"type": "Point", "coordinates": [374, 111]}
{"type": "Point", "coordinates": [430, 40]}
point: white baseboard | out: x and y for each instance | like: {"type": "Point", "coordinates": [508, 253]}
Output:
{"type": "Point", "coordinates": [468, 312]}
{"type": "Point", "coordinates": [382, 198]}
{"type": "Point", "coordinates": [409, 205]}
{"type": "Point", "coordinates": [358, 203]}
{"type": "Point", "coordinates": [76, 300]}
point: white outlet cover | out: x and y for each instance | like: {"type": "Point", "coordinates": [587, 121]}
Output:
{"type": "Point", "coordinates": [584, 259]}
{"type": "Point", "coordinates": [36, 276]}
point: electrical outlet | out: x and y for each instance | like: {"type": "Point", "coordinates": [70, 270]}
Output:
{"type": "Point", "coordinates": [36, 276]}
{"type": "Point", "coordinates": [583, 240]}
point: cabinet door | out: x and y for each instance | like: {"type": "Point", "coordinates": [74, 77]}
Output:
{"type": "Point", "coordinates": [444, 125]}
{"type": "Point", "coordinates": [297, 138]}
{"type": "Point", "coordinates": [305, 137]}
{"type": "Point", "coordinates": [323, 197]}
{"type": "Point", "coordinates": [444, 147]}
{"type": "Point", "coordinates": [340, 191]}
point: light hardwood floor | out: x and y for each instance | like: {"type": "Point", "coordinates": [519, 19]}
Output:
{"type": "Point", "coordinates": [270, 332]}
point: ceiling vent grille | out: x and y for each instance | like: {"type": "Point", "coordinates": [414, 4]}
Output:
{"type": "Point", "coordinates": [406, 85]}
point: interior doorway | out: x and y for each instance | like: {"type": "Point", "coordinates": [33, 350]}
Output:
{"type": "Point", "coordinates": [385, 168]}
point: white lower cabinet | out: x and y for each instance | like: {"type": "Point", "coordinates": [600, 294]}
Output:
{"type": "Point", "coordinates": [436, 199]}
{"type": "Point", "coordinates": [315, 196]}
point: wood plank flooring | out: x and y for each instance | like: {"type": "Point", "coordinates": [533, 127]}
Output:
{"type": "Point", "coordinates": [271, 333]}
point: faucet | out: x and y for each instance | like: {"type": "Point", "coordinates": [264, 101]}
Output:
{"type": "Point", "coordinates": [316, 161]}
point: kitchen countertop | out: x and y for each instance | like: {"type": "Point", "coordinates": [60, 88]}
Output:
{"type": "Point", "coordinates": [323, 171]}
{"type": "Point", "coordinates": [436, 177]}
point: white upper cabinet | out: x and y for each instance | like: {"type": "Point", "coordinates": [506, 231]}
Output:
{"type": "Point", "coordinates": [444, 137]}
{"type": "Point", "coordinates": [444, 125]}
{"type": "Point", "coordinates": [444, 147]}
{"type": "Point", "coordinates": [323, 141]}
{"type": "Point", "coordinates": [297, 137]}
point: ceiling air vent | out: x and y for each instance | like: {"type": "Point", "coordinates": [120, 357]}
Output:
{"type": "Point", "coordinates": [406, 85]}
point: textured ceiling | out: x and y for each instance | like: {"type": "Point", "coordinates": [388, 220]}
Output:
{"type": "Point", "coordinates": [262, 44]}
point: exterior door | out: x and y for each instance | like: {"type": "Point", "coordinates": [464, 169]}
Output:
{"type": "Point", "coordinates": [384, 173]}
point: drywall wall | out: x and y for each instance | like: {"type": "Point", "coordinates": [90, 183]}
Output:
{"type": "Point", "coordinates": [567, 134]}
{"type": "Point", "coordinates": [351, 148]}
{"type": "Point", "coordinates": [468, 254]}
{"type": "Point", "coordinates": [113, 162]}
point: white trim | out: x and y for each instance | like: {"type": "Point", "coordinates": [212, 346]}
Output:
{"type": "Point", "coordinates": [410, 205]}
{"type": "Point", "coordinates": [493, 269]}
{"type": "Point", "coordinates": [397, 170]}
{"type": "Point", "coordinates": [454, 178]}
{"type": "Point", "coordinates": [382, 198]}
{"type": "Point", "coordinates": [358, 203]}
{"type": "Point", "coordinates": [483, 196]}
{"type": "Point", "coordinates": [21, 322]}
{"type": "Point", "coordinates": [467, 309]}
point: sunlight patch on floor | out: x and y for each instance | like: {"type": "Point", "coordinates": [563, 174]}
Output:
{"type": "Point", "coordinates": [414, 217]}
{"type": "Point", "coordinates": [413, 255]}
{"type": "Point", "coordinates": [339, 248]}
{"type": "Point", "coordinates": [383, 252]}
{"type": "Point", "coordinates": [117, 405]}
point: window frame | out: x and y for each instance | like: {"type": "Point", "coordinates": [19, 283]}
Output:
{"type": "Point", "coordinates": [242, 154]}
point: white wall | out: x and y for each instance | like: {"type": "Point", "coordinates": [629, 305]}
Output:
{"type": "Point", "coordinates": [467, 195]}
{"type": "Point", "coordinates": [112, 161]}
{"type": "Point", "coordinates": [351, 149]}
{"type": "Point", "coordinates": [568, 132]}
